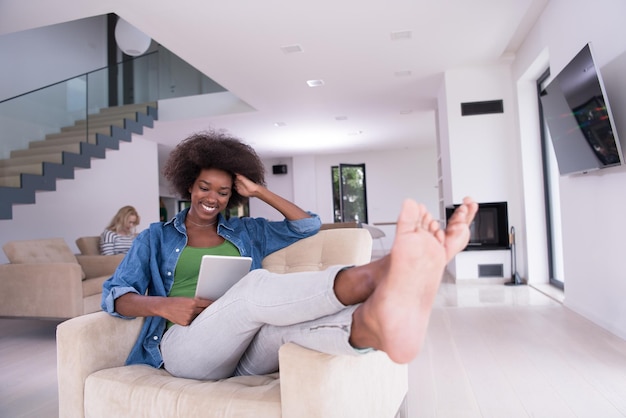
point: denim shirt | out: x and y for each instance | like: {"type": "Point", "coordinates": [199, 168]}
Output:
{"type": "Point", "coordinates": [149, 266]}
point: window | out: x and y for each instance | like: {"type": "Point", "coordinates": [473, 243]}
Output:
{"type": "Point", "coordinates": [552, 198]}
{"type": "Point", "coordinates": [349, 193]}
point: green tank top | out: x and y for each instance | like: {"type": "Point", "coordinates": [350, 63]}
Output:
{"type": "Point", "coordinates": [188, 267]}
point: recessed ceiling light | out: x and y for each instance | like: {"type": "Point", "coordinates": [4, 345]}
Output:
{"type": "Point", "coordinates": [341, 118]}
{"type": "Point", "coordinates": [280, 124]}
{"type": "Point", "coordinates": [315, 83]}
{"type": "Point", "coordinates": [403, 73]}
{"type": "Point", "coordinates": [291, 49]}
{"type": "Point", "coordinates": [400, 35]}
{"type": "Point", "coordinates": [406, 111]}
{"type": "Point", "coordinates": [353, 133]}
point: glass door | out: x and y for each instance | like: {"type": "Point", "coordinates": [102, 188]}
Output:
{"type": "Point", "coordinates": [349, 193]}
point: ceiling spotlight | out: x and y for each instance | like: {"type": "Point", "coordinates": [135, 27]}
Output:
{"type": "Point", "coordinates": [280, 124]}
{"type": "Point", "coordinates": [291, 49]}
{"type": "Point", "coordinates": [354, 133]}
{"type": "Point", "coordinates": [403, 73]}
{"type": "Point", "coordinates": [406, 111]}
{"type": "Point", "coordinates": [400, 35]}
{"type": "Point", "coordinates": [341, 118]}
{"type": "Point", "coordinates": [315, 83]}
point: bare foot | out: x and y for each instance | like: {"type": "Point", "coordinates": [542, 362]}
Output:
{"type": "Point", "coordinates": [395, 317]}
{"type": "Point", "coordinates": [356, 284]}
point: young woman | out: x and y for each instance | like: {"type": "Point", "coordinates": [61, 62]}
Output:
{"type": "Point", "coordinates": [383, 305]}
{"type": "Point", "coordinates": [118, 236]}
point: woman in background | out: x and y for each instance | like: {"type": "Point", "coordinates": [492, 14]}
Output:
{"type": "Point", "coordinates": [118, 237]}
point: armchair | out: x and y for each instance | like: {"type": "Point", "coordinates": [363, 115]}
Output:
{"type": "Point", "coordinates": [94, 382]}
{"type": "Point", "coordinates": [44, 279]}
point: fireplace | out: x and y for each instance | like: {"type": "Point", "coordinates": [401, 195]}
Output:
{"type": "Point", "coordinates": [490, 229]}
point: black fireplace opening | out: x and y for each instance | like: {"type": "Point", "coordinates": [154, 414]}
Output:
{"type": "Point", "coordinates": [490, 228]}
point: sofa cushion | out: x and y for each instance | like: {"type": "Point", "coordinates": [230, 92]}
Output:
{"type": "Point", "coordinates": [37, 251]}
{"type": "Point", "coordinates": [145, 391]}
{"type": "Point", "coordinates": [89, 245]}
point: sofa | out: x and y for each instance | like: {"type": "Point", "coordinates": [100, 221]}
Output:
{"type": "Point", "coordinates": [94, 382]}
{"type": "Point", "coordinates": [45, 279]}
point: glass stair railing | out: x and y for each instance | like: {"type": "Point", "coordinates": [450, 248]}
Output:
{"type": "Point", "coordinates": [48, 133]}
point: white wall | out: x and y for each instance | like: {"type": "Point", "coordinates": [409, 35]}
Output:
{"type": "Point", "coordinates": [281, 184]}
{"type": "Point", "coordinates": [85, 205]}
{"type": "Point", "coordinates": [592, 205]}
{"type": "Point", "coordinates": [22, 54]}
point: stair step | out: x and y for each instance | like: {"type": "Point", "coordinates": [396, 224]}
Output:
{"type": "Point", "coordinates": [99, 119]}
{"type": "Point", "coordinates": [10, 181]}
{"type": "Point", "coordinates": [63, 138]}
{"type": "Point", "coordinates": [33, 168]}
{"type": "Point", "coordinates": [56, 157]}
{"type": "Point", "coordinates": [143, 108]}
{"type": "Point", "coordinates": [93, 129]}
{"type": "Point", "coordinates": [73, 147]}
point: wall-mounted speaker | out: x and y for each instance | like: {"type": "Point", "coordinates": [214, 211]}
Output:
{"type": "Point", "coordinates": [279, 169]}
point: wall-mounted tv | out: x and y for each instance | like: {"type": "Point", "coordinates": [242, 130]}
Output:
{"type": "Point", "coordinates": [577, 112]}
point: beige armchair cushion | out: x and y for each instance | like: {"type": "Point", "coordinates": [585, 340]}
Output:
{"type": "Point", "coordinates": [325, 249]}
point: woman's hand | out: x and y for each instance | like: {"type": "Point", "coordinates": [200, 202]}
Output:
{"type": "Point", "coordinates": [245, 186]}
{"type": "Point", "coordinates": [181, 310]}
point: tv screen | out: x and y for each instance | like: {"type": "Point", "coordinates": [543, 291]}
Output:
{"type": "Point", "coordinates": [576, 110]}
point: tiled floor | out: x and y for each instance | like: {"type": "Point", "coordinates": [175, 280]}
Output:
{"type": "Point", "coordinates": [28, 378]}
{"type": "Point", "coordinates": [512, 351]}
{"type": "Point", "coordinates": [491, 351]}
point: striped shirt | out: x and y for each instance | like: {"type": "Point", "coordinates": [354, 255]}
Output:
{"type": "Point", "coordinates": [113, 243]}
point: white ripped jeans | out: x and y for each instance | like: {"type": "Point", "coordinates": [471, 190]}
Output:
{"type": "Point", "coordinates": [241, 332]}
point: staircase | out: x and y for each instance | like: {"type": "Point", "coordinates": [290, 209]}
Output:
{"type": "Point", "coordinates": [43, 162]}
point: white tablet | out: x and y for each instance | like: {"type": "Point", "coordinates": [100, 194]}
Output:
{"type": "Point", "coordinates": [218, 273]}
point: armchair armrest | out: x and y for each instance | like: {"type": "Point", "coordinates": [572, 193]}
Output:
{"type": "Point", "coordinates": [99, 265]}
{"type": "Point", "coordinates": [314, 384]}
{"type": "Point", "coordinates": [86, 344]}
{"type": "Point", "coordinates": [50, 290]}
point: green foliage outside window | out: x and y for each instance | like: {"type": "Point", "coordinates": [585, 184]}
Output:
{"type": "Point", "coordinates": [349, 193]}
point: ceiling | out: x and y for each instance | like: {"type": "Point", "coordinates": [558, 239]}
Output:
{"type": "Point", "coordinates": [381, 61]}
